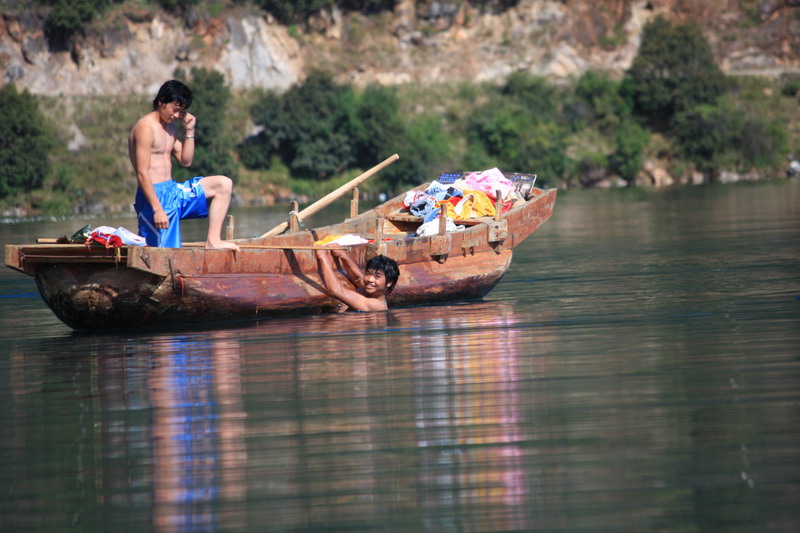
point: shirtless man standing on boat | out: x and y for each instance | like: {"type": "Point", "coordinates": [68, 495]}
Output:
{"type": "Point", "coordinates": [161, 202]}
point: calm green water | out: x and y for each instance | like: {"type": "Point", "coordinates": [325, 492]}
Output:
{"type": "Point", "coordinates": [638, 369]}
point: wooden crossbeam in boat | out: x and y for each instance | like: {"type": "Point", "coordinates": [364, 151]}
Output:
{"type": "Point", "coordinates": [70, 253]}
{"type": "Point", "coordinates": [275, 246]}
{"type": "Point", "coordinates": [400, 217]}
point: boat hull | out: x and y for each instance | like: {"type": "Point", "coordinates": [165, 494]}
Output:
{"type": "Point", "coordinates": [91, 287]}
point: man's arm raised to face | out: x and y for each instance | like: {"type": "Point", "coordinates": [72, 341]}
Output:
{"type": "Point", "coordinates": [184, 151]}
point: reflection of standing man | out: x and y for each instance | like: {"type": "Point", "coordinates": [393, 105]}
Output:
{"type": "Point", "coordinates": [161, 202]}
{"type": "Point", "coordinates": [197, 433]}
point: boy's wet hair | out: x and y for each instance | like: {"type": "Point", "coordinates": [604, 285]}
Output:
{"type": "Point", "coordinates": [389, 268]}
{"type": "Point", "coordinates": [173, 91]}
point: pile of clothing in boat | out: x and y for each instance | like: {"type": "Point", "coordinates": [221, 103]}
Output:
{"type": "Point", "coordinates": [471, 196]}
{"type": "Point", "coordinates": [105, 235]}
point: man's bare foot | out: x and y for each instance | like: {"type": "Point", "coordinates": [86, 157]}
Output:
{"type": "Point", "coordinates": [223, 245]}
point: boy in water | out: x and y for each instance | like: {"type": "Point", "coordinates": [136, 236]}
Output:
{"type": "Point", "coordinates": [378, 279]}
{"type": "Point", "coordinates": [161, 202]}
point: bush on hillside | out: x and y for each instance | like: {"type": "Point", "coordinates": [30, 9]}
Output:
{"type": "Point", "coordinates": [673, 72]}
{"type": "Point", "coordinates": [425, 150]}
{"type": "Point", "coordinates": [68, 18]}
{"type": "Point", "coordinates": [791, 86]}
{"type": "Point", "coordinates": [25, 142]}
{"type": "Point", "coordinates": [630, 140]}
{"type": "Point", "coordinates": [722, 136]}
{"type": "Point", "coordinates": [604, 98]}
{"type": "Point", "coordinates": [310, 127]}
{"type": "Point", "coordinates": [520, 129]}
{"type": "Point", "coordinates": [293, 11]}
{"type": "Point", "coordinates": [539, 98]}
{"type": "Point", "coordinates": [320, 129]}
{"type": "Point", "coordinates": [180, 5]}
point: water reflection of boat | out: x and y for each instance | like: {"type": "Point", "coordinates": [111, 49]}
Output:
{"type": "Point", "coordinates": [411, 419]}
{"type": "Point", "coordinates": [91, 287]}
{"type": "Point", "coordinates": [412, 429]}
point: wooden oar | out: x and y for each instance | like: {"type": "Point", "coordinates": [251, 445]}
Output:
{"type": "Point", "coordinates": [327, 200]}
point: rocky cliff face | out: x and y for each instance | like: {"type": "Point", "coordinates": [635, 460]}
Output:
{"type": "Point", "coordinates": [132, 51]}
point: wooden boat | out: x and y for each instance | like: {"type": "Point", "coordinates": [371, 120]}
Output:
{"type": "Point", "coordinates": [91, 286]}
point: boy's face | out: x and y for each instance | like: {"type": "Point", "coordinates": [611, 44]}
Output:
{"type": "Point", "coordinates": [374, 283]}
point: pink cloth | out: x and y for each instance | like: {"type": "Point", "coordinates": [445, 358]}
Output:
{"type": "Point", "coordinates": [488, 182]}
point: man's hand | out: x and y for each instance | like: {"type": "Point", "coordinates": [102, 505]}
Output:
{"type": "Point", "coordinates": [189, 122]}
{"type": "Point", "coordinates": [160, 219]}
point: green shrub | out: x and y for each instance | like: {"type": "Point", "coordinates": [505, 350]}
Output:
{"type": "Point", "coordinates": [722, 136]}
{"type": "Point", "coordinates": [425, 149]}
{"type": "Point", "coordinates": [311, 126]}
{"type": "Point", "coordinates": [764, 142]}
{"type": "Point", "coordinates": [520, 129]}
{"type": "Point", "coordinates": [180, 6]}
{"type": "Point", "coordinates": [791, 87]}
{"type": "Point", "coordinates": [292, 11]}
{"type": "Point", "coordinates": [67, 18]}
{"type": "Point", "coordinates": [25, 142]}
{"type": "Point", "coordinates": [705, 134]}
{"type": "Point", "coordinates": [673, 71]}
{"type": "Point", "coordinates": [631, 139]}
{"type": "Point", "coordinates": [538, 97]}
{"type": "Point", "coordinates": [379, 129]}
{"type": "Point", "coordinates": [602, 94]}
{"type": "Point", "coordinates": [320, 129]}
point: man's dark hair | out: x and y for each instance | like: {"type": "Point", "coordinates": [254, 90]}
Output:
{"type": "Point", "coordinates": [389, 268]}
{"type": "Point", "coordinates": [173, 91]}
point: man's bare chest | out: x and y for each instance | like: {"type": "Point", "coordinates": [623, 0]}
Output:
{"type": "Point", "coordinates": [163, 142]}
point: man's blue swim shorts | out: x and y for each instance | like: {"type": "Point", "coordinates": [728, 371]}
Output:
{"type": "Point", "coordinates": [179, 201]}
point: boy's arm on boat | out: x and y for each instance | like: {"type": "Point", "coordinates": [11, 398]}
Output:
{"type": "Point", "coordinates": [353, 271]}
{"type": "Point", "coordinates": [335, 288]}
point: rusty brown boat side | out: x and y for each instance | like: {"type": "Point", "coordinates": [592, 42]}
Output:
{"type": "Point", "coordinates": [91, 287]}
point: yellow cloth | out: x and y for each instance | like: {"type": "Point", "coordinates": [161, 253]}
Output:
{"type": "Point", "coordinates": [475, 204]}
{"type": "Point", "coordinates": [326, 240]}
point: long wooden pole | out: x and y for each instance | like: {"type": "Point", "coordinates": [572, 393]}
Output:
{"type": "Point", "coordinates": [328, 199]}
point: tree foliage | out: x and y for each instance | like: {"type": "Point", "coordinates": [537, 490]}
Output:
{"type": "Point", "coordinates": [309, 127]}
{"type": "Point", "coordinates": [179, 6]}
{"type": "Point", "coordinates": [605, 99]}
{"type": "Point", "coordinates": [293, 11]}
{"type": "Point", "coordinates": [520, 129]}
{"type": "Point", "coordinates": [673, 71]}
{"type": "Point", "coordinates": [213, 146]}
{"type": "Point", "coordinates": [67, 18]}
{"type": "Point", "coordinates": [720, 136]}
{"type": "Point", "coordinates": [320, 129]}
{"type": "Point", "coordinates": [25, 142]}
{"type": "Point", "coordinates": [630, 140]}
